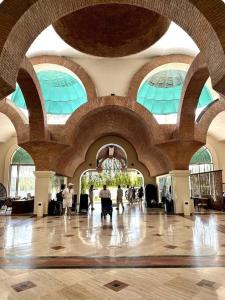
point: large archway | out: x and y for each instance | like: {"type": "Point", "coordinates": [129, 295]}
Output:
{"type": "Point", "coordinates": [112, 170]}
{"type": "Point", "coordinates": [112, 118]}
{"type": "Point", "coordinates": [90, 162]}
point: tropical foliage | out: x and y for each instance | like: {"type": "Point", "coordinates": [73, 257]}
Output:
{"type": "Point", "coordinates": [111, 180]}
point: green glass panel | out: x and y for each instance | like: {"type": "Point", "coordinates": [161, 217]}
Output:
{"type": "Point", "coordinates": [62, 93]}
{"type": "Point", "coordinates": [202, 156]}
{"type": "Point", "coordinates": [161, 92]}
{"type": "Point", "coordinates": [21, 157]}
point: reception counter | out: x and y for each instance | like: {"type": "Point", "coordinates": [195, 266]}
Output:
{"type": "Point", "coordinates": [22, 206]}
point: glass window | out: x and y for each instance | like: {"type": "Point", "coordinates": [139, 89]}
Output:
{"type": "Point", "coordinates": [63, 93]}
{"type": "Point", "coordinates": [201, 161]}
{"type": "Point", "coordinates": [57, 181]}
{"type": "Point", "coordinates": [13, 181]}
{"type": "Point", "coordinates": [26, 182]}
{"type": "Point", "coordinates": [160, 93]}
{"type": "Point", "coordinates": [22, 179]}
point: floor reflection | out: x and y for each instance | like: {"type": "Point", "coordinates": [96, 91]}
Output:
{"type": "Point", "coordinates": [205, 234]}
{"type": "Point", "coordinates": [124, 229]}
{"type": "Point", "coordinates": [18, 234]}
{"type": "Point", "coordinates": [136, 231]}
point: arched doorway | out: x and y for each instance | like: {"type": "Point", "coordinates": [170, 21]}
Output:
{"type": "Point", "coordinates": [111, 169]}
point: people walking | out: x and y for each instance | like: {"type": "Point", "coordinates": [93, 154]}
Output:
{"type": "Point", "coordinates": [67, 194]}
{"type": "Point", "coordinates": [119, 197]}
{"type": "Point", "coordinates": [133, 194]}
{"type": "Point", "coordinates": [106, 202]}
{"type": "Point", "coordinates": [91, 197]}
{"type": "Point", "coordinates": [59, 198]}
{"type": "Point", "coordinates": [140, 194]}
{"type": "Point", "coordinates": [129, 194]}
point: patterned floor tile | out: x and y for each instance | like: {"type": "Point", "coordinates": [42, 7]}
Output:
{"type": "Point", "coordinates": [116, 285]}
{"type": "Point", "coordinates": [170, 247]}
{"type": "Point", "coordinates": [207, 283]}
{"type": "Point", "coordinates": [58, 247]}
{"type": "Point", "coordinates": [22, 286]}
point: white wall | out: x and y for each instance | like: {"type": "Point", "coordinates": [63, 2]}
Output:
{"type": "Point", "coordinates": [111, 75]}
{"type": "Point", "coordinates": [6, 151]}
{"type": "Point", "coordinates": [217, 149]}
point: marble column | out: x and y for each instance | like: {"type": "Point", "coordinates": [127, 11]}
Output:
{"type": "Point", "coordinates": [180, 189]}
{"type": "Point", "coordinates": [43, 184]}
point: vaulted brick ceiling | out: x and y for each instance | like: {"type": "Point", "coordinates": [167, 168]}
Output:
{"type": "Point", "coordinates": [111, 30]}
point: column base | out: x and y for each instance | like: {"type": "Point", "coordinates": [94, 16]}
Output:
{"type": "Point", "coordinates": [180, 189]}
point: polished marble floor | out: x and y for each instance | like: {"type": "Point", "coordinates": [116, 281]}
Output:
{"type": "Point", "coordinates": [140, 255]}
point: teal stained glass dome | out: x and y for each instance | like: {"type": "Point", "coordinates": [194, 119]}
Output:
{"type": "Point", "coordinates": [62, 93]}
{"type": "Point", "coordinates": [161, 92]}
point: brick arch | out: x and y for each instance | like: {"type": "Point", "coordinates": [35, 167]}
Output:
{"type": "Point", "coordinates": [31, 90]}
{"type": "Point", "coordinates": [29, 19]}
{"type": "Point", "coordinates": [17, 118]}
{"type": "Point", "coordinates": [150, 66]}
{"type": "Point", "coordinates": [122, 102]}
{"type": "Point", "coordinates": [117, 121]}
{"type": "Point", "coordinates": [73, 67]}
{"type": "Point", "coordinates": [206, 118]}
{"type": "Point", "coordinates": [180, 152]}
{"type": "Point", "coordinates": [194, 82]}
{"type": "Point", "coordinates": [98, 144]}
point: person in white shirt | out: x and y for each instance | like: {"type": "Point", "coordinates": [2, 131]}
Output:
{"type": "Point", "coordinates": [68, 199]}
{"type": "Point", "coordinates": [119, 197]}
{"type": "Point", "coordinates": [105, 193]}
{"type": "Point", "coordinates": [106, 202]}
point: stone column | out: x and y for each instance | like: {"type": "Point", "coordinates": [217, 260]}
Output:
{"type": "Point", "coordinates": [180, 189]}
{"type": "Point", "coordinates": [42, 189]}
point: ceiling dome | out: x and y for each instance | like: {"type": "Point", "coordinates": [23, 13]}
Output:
{"type": "Point", "coordinates": [62, 93]}
{"type": "Point", "coordinates": [161, 92]}
{"type": "Point", "coordinates": [111, 30]}
{"type": "Point", "coordinates": [167, 78]}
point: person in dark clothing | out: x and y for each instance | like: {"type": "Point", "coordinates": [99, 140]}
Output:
{"type": "Point", "coordinates": [133, 194]}
{"type": "Point", "coordinates": [59, 198]}
{"type": "Point", "coordinates": [140, 194]}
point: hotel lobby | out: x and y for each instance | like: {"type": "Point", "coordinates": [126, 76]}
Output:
{"type": "Point", "coordinates": [117, 93]}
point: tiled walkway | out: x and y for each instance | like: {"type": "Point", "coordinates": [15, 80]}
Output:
{"type": "Point", "coordinates": [140, 255]}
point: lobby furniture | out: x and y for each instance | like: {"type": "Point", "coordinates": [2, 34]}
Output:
{"type": "Point", "coordinates": [200, 202]}
{"type": "Point", "coordinates": [22, 206]}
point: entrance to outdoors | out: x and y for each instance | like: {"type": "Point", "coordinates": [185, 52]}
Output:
{"type": "Point", "coordinates": [111, 169]}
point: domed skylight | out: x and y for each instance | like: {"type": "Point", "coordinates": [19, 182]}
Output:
{"type": "Point", "coordinates": [62, 93]}
{"type": "Point", "coordinates": [161, 92]}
